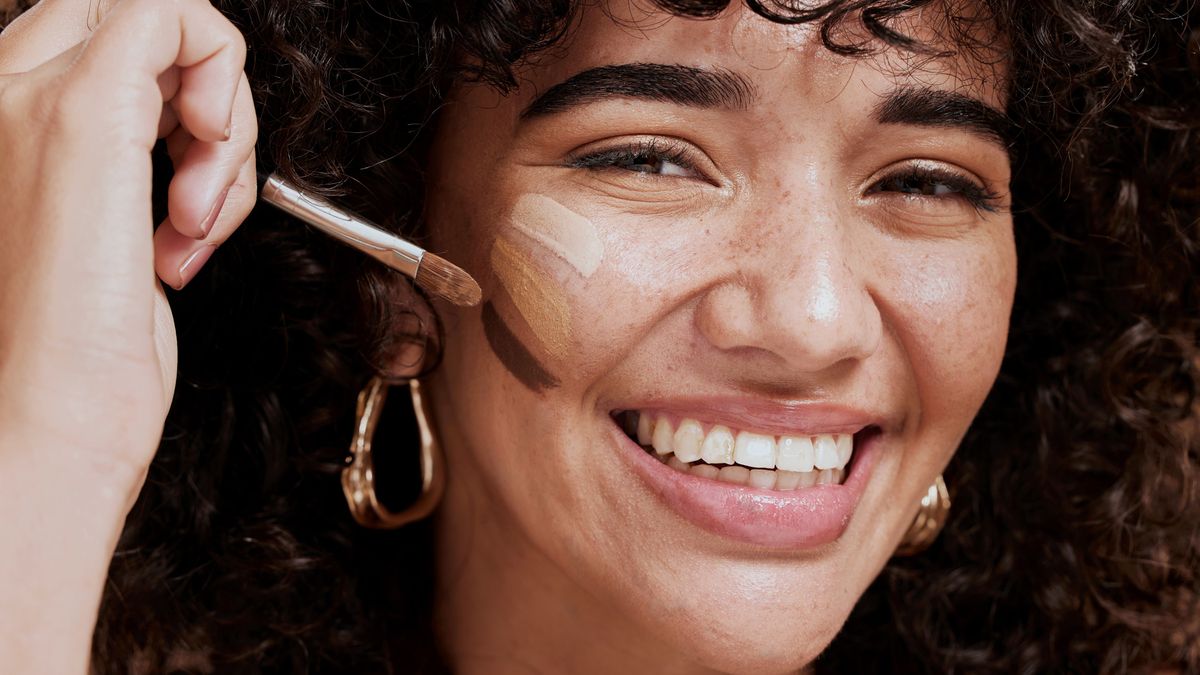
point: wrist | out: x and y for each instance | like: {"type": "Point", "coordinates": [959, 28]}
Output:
{"type": "Point", "coordinates": [58, 535]}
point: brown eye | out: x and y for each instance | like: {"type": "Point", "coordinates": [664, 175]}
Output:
{"type": "Point", "coordinates": [646, 162]}
{"type": "Point", "coordinates": [937, 184]}
{"type": "Point", "coordinates": [651, 157]}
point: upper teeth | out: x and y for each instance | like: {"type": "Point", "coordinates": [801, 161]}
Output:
{"type": "Point", "coordinates": [721, 445]}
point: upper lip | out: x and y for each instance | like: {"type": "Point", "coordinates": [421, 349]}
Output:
{"type": "Point", "coordinates": [770, 416]}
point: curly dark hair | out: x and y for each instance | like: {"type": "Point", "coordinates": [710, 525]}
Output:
{"type": "Point", "coordinates": [1074, 542]}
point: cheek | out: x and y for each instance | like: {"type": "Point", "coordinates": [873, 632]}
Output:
{"type": "Point", "coordinates": [950, 310]}
{"type": "Point", "coordinates": [651, 264]}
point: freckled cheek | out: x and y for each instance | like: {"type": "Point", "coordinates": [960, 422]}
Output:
{"type": "Point", "coordinates": [954, 314]}
{"type": "Point", "coordinates": [644, 275]}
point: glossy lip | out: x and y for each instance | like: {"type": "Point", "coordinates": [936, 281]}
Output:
{"type": "Point", "coordinates": [799, 519]}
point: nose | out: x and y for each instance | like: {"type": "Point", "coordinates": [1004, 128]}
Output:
{"type": "Point", "coordinates": [800, 297]}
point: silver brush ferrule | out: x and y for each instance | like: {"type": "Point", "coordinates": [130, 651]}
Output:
{"type": "Point", "coordinates": [356, 231]}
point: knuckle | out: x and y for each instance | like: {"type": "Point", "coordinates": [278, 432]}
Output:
{"type": "Point", "coordinates": [237, 44]}
{"type": "Point", "coordinates": [13, 101]}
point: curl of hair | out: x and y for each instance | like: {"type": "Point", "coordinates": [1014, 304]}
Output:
{"type": "Point", "coordinates": [1074, 543]}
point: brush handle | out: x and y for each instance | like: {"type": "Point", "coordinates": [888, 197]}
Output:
{"type": "Point", "coordinates": [342, 225]}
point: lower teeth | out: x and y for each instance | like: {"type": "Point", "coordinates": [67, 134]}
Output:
{"type": "Point", "coordinates": [766, 479]}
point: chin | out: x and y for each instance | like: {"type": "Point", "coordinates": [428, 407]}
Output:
{"type": "Point", "coordinates": [740, 616]}
{"type": "Point", "coordinates": [757, 647]}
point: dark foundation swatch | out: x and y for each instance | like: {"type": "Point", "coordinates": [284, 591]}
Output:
{"type": "Point", "coordinates": [508, 348]}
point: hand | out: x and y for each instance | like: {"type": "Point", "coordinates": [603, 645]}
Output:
{"type": "Point", "coordinates": [87, 346]}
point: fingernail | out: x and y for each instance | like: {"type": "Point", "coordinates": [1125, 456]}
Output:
{"type": "Point", "coordinates": [228, 131]}
{"type": "Point", "coordinates": [215, 211]}
{"type": "Point", "coordinates": [191, 266]}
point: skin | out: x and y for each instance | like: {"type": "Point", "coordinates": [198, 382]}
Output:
{"type": "Point", "coordinates": [778, 276]}
{"type": "Point", "coordinates": [772, 272]}
{"type": "Point", "coordinates": [87, 342]}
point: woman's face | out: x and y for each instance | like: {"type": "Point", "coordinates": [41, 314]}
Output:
{"type": "Point", "coordinates": [768, 256]}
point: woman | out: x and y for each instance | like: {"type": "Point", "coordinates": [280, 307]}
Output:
{"type": "Point", "coordinates": [748, 273]}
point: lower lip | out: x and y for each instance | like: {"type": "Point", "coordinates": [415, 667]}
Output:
{"type": "Point", "coordinates": [799, 519]}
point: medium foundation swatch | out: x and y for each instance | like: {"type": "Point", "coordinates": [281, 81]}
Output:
{"type": "Point", "coordinates": [539, 298]}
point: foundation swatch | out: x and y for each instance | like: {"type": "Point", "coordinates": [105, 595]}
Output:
{"type": "Point", "coordinates": [567, 234]}
{"type": "Point", "coordinates": [508, 348]}
{"type": "Point", "coordinates": [539, 298]}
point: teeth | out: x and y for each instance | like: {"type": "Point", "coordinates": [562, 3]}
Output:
{"type": "Point", "coordinates": [829, 477]}
{"type": "Point", "coordinates": [763, 479]}
{"type": "Point", "coordinates": [645, 430]}
{"type": "Point", "coordinates": [845, 448]}
{"type": "Point", "coordinates": [754, 450]}
{"type": "Point", "coordinates": [678, 465]}
{"type": "Point", "coordinates": [825, 452]}
{"type": "Point", "coordinates": [718, 446]}
{"type": "Point", "coordinates": [787, 480]}
{"type": "Point", "coordinates": [688, 438]}
{"type": "Point", "coordinates": [757, 460]}
{"type": "Point", "coordinates": [796, 453]}
{"type": "Point", "coordinates": [664, 436]}
{"type": "Point", "coordinates": [734, 474]}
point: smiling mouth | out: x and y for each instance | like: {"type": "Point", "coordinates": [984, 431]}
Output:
{"type": "Point", "coordinates": [742, 457]}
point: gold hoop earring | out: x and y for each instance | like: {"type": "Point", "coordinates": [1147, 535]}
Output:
{"type": "Point", "coordinates": [358, 478]}
{"type": "Point", "coordinates": [931, 517]}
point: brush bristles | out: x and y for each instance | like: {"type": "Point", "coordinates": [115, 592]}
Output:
{"type": "Point", "coordinates": [446, 280]}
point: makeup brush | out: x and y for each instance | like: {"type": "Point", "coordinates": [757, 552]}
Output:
{"type": "Point", "coordinates": [433, 273]}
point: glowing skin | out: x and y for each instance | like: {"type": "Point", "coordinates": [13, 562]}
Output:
{"type": "Point", "coordinates": [770, 253]}
{"type": "Point", "coordinates": [567, 234]}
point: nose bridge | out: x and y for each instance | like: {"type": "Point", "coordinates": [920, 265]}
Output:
{"type": "Point", "coordinates": [804, 296]}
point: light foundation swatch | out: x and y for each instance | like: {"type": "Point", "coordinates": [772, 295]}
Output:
{"type": "Point", "coordinates": [567, 234]}
{"type": "Point", "coordinates": [539, 299]}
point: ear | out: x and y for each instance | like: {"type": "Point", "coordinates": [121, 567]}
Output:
{"type": "Point", "coordinates": [412, 343]}
{"type": "Point", "coordinates": [407, 361]}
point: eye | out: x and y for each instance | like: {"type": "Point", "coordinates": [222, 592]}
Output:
{"type": "Point", "coordinates": [938, 184]}
{"type": "Point", "coordinates": [653, 156]}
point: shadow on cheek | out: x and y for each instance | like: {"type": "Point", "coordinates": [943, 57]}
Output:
{"type": "Point", "coordinates": [512, 353]}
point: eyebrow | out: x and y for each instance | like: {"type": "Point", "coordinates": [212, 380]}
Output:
{"type": "Point", "coordinates": [927, 107]}
{"type": "Point", "coordinates": [666, 83]}
{"type": "Point", "coordinates": [719, 88]}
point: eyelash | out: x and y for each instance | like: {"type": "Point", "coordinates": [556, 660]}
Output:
{"type": "Point", "coordinates": [655, 150]}
{"type": "Point", "coordinates": [620, 157]}
{"type": "Point", "coordinates": [977, 196]}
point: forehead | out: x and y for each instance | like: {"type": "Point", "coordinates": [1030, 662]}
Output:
{"type": "Point", "coordinates": [781, 58]}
